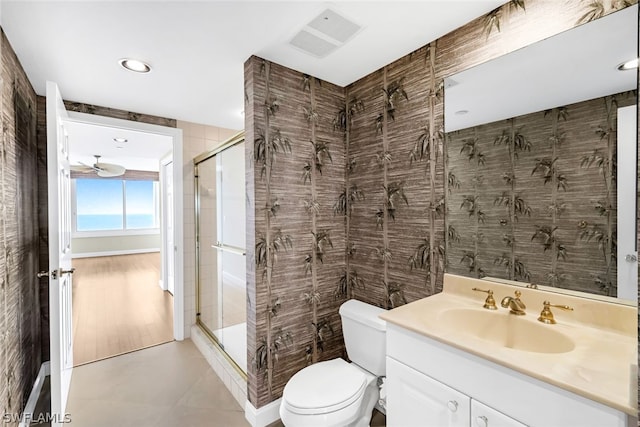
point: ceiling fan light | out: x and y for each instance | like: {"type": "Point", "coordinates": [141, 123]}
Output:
{"type": "Point", "coordinates": [135, 65]}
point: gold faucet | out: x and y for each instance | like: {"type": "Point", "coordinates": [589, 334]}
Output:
{"type": "Point", "coordinates": [489, 303]}
{"type": "Point", "coordinates": [546, 316]}
{"type": "Point", "coordinates": [516, 306]}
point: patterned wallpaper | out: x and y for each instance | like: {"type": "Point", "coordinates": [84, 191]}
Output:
{"type": "Point", "coordinates": [295, 166]}
{"type": "Point", "coordinates": [394, 184]}
{"type": "Point", "coordinates": [20, 346]}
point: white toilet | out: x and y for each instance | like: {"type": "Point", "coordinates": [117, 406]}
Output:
{"type": "Point", "coordinates": [336, 393]}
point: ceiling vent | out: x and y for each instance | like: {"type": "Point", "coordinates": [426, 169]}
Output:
{"type": "Point", "coordinates": [324, 34]}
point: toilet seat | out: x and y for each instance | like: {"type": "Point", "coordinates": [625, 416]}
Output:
{"type": "Point", "coordinates": [324, 387]}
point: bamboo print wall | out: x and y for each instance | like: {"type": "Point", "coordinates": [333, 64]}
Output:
{"type": "Point", "coordinates": [543, 209]}
{"type": "Point", "coordinates": [395, 151]}
{"type": "Point", "coordinates": [19, 294]}
{"type": "Point", "coordinates": [296, 170]}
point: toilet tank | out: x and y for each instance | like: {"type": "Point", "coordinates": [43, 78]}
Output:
{"type": "Point", "coordinates": [364, 335]}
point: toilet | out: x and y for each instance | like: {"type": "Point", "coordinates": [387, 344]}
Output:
{"type": "Point", "coordinates": [336, 393]}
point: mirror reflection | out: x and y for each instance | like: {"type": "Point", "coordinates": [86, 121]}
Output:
{"type": "Point", "coordinates": [541, 162]}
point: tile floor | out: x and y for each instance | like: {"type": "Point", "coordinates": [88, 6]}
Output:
{"type": "Point", "coordinates": [167, 385]}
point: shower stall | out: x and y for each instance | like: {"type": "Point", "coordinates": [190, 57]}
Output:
{"type": "Point", "coordinates": [220, 249]}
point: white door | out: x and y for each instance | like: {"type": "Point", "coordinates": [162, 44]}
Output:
{"type": "Point", "coordinates": [627, 178]}
{"type": "Point", "coordinates": [168, 226]}
{"type": "Point", "coordinates": [60, 271]}
{"type": "Point", "coordinates": [416, 400]}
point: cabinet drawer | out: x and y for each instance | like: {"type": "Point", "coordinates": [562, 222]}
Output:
{"type": "Point", "coordinates": [414, 399]}
{"type": "Point", "coordinates": [483, 416]}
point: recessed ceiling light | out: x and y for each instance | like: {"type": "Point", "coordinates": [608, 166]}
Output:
{"type": "Point", "coordinates": [135, 65]}
{"type": "Point", "coordinates": [120, 147]}
{"type": "Point", "coordinates": [629, 65]}
{"type": "Point", "coordinates": [462, 112]}
{"type": "Point", "coordinates": [120, 140]}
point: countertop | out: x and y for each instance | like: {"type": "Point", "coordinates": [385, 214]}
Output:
{"type": "Point", "coordinates": [601, 367]}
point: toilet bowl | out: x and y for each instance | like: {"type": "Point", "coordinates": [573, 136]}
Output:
{"type": "Point", "coordinates": [336, 393]}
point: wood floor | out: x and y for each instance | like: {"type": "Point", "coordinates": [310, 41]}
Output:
{"type": "Point", "coordinates": [118, 306]}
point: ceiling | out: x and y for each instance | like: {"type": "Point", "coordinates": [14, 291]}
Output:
{"type": "Point", "coordinates": [197, 49]}
{"type": "Point", "coordinates": [141, 151]}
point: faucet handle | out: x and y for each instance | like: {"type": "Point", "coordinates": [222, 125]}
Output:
{"type": "Point", "coordinates": [489, 303]}
{"type": "Point", "coordinates": [546, 316]}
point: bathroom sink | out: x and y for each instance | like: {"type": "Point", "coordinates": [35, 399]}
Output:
{"type": "Point", "coordinates": [507, 330]}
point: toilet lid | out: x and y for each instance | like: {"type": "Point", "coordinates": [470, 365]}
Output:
{"type": "Point", "coordinates": [324, 387]}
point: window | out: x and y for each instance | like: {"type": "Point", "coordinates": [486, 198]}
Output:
{"type": "Point", "coordinates": [116, 205]}
{"type": "Point", "coordinates": [141, 202]}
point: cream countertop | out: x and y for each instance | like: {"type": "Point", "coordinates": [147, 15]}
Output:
{"type": "Point", "coordinates": [601, 367]}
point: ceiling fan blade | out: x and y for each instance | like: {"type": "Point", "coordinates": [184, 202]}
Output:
{"type": "Point", "coordinates": [90, 167]}
{"type": "Point", "coordinates": [81, 168]}
{"type": "Point", "coordinates": [107, 170]}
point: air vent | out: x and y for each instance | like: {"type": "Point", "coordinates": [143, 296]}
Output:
{"type": "Point", "coordinates": [324, 34]}
{"type": "Point", "coordinates": [312, 44]}
{"type": "Point", "coordinates": [335, 26]}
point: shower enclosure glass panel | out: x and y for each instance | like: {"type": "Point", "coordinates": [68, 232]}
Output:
{"type": "Point", "coordinates": [220, 206]}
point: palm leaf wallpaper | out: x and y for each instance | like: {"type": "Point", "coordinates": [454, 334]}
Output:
{"type": "Point", "coordinates": [377, 202]}
{"type": "Point", "coordinates": [296, 161]}
{"type": "Point", "coordinates": [20, 322]}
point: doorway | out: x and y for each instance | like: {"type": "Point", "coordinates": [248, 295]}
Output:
{"type": "Point", "coordinates": [127, 270]}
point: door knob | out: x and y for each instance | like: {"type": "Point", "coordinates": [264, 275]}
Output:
{"type": "Point", "coordinates": [452, 405]}
{"type": "Point", "coordinates": [482, 421]}
{"type": "Point", "coordinates": [631, 258]}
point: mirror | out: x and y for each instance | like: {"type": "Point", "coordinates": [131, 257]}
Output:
{"type": "Point", "coordinates": [535, 143]}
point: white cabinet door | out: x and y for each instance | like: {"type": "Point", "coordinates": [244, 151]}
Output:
{"type": "Point", "coordinates": [414, 399]}
{"type": "Point", "coordinates": [484, 416]}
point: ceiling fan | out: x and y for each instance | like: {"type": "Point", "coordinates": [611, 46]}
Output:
{"type": "Point", "coordinates": [104, 170]}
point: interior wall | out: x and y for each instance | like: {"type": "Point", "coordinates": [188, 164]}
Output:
{"type": "Point", "coordinates": [115, 245]}
{"type": "Point", "coordinates": [295, 162]}
{"type": "Point", "coordinates": [20, 345]}
{"type": "Point", "coordinates": [394, 149]}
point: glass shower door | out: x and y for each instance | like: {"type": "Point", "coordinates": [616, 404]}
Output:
{"type": "Point", "coordinates": [220, 196]}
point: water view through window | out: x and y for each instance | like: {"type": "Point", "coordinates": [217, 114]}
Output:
{"type": "Point", "coordinates": [105, 205]}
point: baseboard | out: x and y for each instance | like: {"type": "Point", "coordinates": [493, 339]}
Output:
{"type": "Point", "coordinates": [264, 415]}
{"type": "Point", "coordinates": [45, 369]}
{"type": "Point", "coordinates": [112, 253]}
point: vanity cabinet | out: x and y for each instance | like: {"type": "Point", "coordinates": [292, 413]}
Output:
{"type": "Point", "coordinates": [434, 384]}
{"type": "Point", "coordinates": [415, 399]}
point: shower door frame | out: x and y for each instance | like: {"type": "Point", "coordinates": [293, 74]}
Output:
{"type": "Point", "coordinates": [231, 142]}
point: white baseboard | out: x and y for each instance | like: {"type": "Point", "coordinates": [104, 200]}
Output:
{"type": "Point", "coordinates": [112, 253]}
{"type": "Point", "coordinates": [263, 416]}
{"type": "Point", "coordinates": [45, 369]}
{"type": "Point", "coordinates": [234, 280]}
